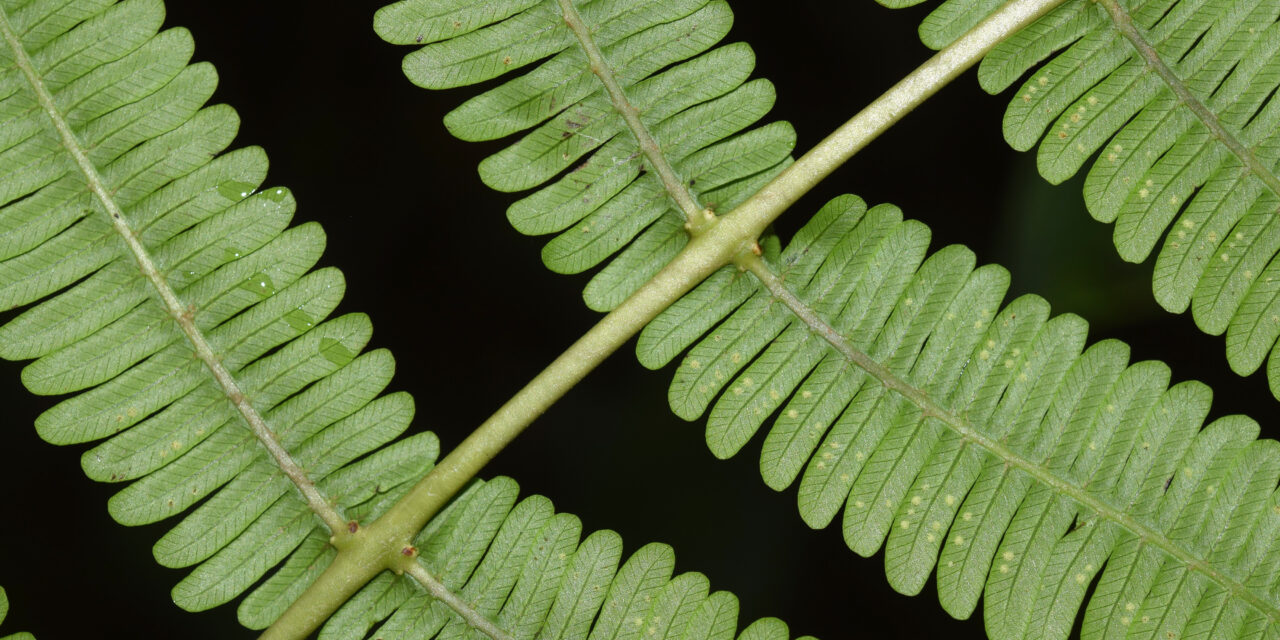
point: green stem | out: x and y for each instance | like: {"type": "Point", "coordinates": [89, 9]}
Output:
{"type": "Point", "coordinates": [395, 530]}
{"type": "Point", "coordinates": [360, 558]}
{"type": "Point", "coordinates": [729, 237]}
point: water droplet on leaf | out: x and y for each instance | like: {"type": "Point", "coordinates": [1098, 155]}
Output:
{"type": "Point", "coordinates": [259, 283]}
{"type": "Point", "coordinates": [234, 190]}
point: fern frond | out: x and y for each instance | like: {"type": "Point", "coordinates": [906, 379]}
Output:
{"type": "Point", "coordinates": [631, 104]}
{"type": "Point", "coordinates": [528, 569]}
{"type": "Point", "coordinates": [4, 611]}
{"type": "Point", "coordinates": [177, 305]}
{"type": "Point", "coordinates": [1174, 102]}
{"type": "Point", "coordinates": [987, 444]}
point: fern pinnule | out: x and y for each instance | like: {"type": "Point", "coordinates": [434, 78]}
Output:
{"type": "Point", "coordinates": [4, 611]}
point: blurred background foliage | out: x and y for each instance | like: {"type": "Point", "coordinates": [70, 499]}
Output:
{"type": "Point", "coordinates": [463, 302]}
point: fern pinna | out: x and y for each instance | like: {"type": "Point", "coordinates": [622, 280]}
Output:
{"type": "Point", "coordinates": [1174, 104]}
{"type": "Point", "coordinates": [986, 443]}
{"type": "Point", "coordinates": [185, 314]}
{"type": "Point", "coordinates": [1006, 457]}
{"type": "Point", "coordinates": [600, 197]}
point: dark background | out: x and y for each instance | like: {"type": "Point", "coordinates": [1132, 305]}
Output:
{"type": "Point", "coordinates": [464, 303]}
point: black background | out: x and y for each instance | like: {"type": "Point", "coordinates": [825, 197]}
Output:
{"type": "Point", "coordinates": [471, 315]}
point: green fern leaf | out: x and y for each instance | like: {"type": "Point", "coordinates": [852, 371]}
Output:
{"type": "Point", "coordinates": [529, 570]}
{"type": "Point", "coordinates": [4, 611]}
{"type": "Point", "coordinates": [145, 245]}
{"type": "Point", "coordinates": [1173, 100]}
{"type": "Point", "coordinates": [597, 191]}
{"type": "Point", "coordinates": [174, 306]}
{"type": "Point", "coordinates": [987, 444]}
